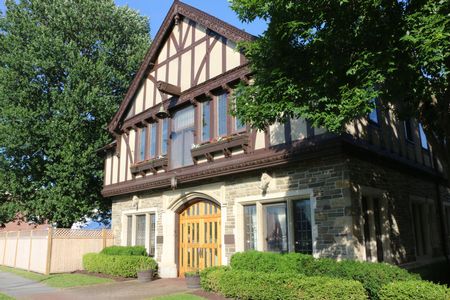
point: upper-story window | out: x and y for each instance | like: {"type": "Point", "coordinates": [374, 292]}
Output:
{"type": "Point", "coordinates": [222, 114]}
{"type": "Point", "coordinates": [153, 139]}
{"type": "Point", "coordinates": [408, 130]}
{"type": "Point", "coordinates": [183, 127]}
{"type": "Point", "coordinates": [206, 121]}
{"type": "Point", "coordinates": [423, 137]}
{"type": "Point", "coordinates": [164, 136]}
{"type": "Point", "coordinates": [216, 120]}
{"type": "Point", "coordinates": [373, 115]}
{"type": "Point", "coordinates": [142, 143]}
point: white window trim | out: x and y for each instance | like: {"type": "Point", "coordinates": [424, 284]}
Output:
{"type": "Point", "coordinates": [272, 198]}
{"type": "Point", "coordinates": [133, 213]}
{"type": "Point", "coordinates": [370, 192]}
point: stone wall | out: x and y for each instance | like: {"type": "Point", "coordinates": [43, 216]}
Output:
{"type": "Point", "coordinates": [401, 187]}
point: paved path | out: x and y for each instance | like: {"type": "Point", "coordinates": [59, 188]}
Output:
{"type": "Point", "coordinates": [17, 286]}
{"type": "Point", "coordinates": [117, 290]}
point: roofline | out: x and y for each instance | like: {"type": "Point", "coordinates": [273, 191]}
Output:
{"type": "Point", "coordinates": [178, 8]}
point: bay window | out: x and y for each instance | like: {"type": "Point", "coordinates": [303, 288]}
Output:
{"type": "Point", "coordinates": [222, 114]}
{"type": "Point", "coordinates": [250, 227]}
{"type": "Point", "coordinates": [206, 121]}
{"type": "Point", "coordinates": [142, 143]}
{"type": "Point", "coordinates": [164, 136]}
{"type": "Point", "coordinates": [276, 227]}
{"type": "Point", "coordinates": [153, 139]}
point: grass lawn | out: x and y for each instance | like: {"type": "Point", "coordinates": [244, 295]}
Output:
{"type": "Point", "coordinates": [58, 280]}
{"type": "Point", "coordinates": [4, 297]}
{"type": "Point", "coordinates": [178, 297]}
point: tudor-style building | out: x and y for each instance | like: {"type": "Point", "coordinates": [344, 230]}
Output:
{"type": "Point", "coordinates": [195, 185]}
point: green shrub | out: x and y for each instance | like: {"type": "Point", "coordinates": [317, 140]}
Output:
{"type": "Point", "coordinates": [372, 275]}
{"type": "Point", "coordinates": [209, 277]}
{"type": "Point", "coordinates": [117, 265]}
{"type": "Point", "coordinates": [239, 284]}
{"type": "Point", "coordinates": [125, 250]}
{"type": "Point", "coordinates": [409, 290]}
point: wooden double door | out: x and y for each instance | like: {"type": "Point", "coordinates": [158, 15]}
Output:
{"type": "Point", "coordinates": [199, 237]}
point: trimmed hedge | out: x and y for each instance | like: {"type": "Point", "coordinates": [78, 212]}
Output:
{"type": "Point", "coordinates": [246, 285]}
{"type": "Point", "coordinates": [117, 265]}
{"type": "Point", "coordinates": [372, 275]}
{"type": "Point", "coordinates": [409, 290]}
{"type": "Point", "coordinates": [125, 250]}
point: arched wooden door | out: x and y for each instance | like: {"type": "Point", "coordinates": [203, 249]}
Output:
{"type": "Point", "coordinates": [199, 237]}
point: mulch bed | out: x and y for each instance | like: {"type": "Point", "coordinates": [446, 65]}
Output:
{"type": "Point", "coordinates": [115, 278]}
{"type": "Point", "coordinates": [209, 296]}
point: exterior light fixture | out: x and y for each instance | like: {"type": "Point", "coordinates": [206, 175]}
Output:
{"type": "Point", "coordinates": [162, 113]}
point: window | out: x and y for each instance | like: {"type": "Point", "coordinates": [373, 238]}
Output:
{"type": "Point", "coordinates": [408, 131]}
{"type": "Point", "coordinates": [140, 230]}
{"type": "Point", "coordinates": [183, 127]}
{"type": "Point", "coordinates": [371, 211]}
{"type": "Point", "coordinates": [164, 136]}
{"type": "Point", "coordinates": [423, 137]}
{"type": "Point", "coordinates": [302, 226]}
{"type": "Point", "coordinates": [142, 143]}
{"type": "Point", "coordinates": [153, 139]}
{"type": "Point", "coordinates": [373, 115]}
{"type": "Point", "coordinates": [152, 236]}
{"type": "Point", "coordinates": [222, 114]}
{"type": "Point", "coordinates": [276, 227]}
{"type": "Point", "coordinates": [422, 227]}
{"type": "Point", "coordinates": [206, 121]}
{"type": "Point", "coordinates": [129, 230]}
{"type": "Point", "coordinates": [250, 227]}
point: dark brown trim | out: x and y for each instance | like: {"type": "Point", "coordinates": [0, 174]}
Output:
{"type": "Point", "coordinates": [302, 150]}
{"type": "Point", "coordinates": [145, 94]}
{"type": "Point", "coordinates": [224, 54]}
{"type": "Point", "coordinates": [184, 10]}
{"type": "Point", "coordinates": [207, 57]}
{"type": "Point", "coordinates": [180, 53]}
{"type": "Point", "coordinates": [168, 88]}
{"type": "Point", "coordinates": [194, 26]}
{"type": "Point", "coordinates": [174, 40]}
{"type": "Point", "coordinates": [205, 61]}
{"type": "Point", "coordinates": [155, 89]}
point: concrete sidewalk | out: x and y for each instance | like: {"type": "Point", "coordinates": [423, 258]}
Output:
{"type": "Point", "coordinates": [117, 290]}
{"type": "Point", "coordinates": [19, 287]}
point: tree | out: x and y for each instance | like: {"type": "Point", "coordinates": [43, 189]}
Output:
{"type": "Point", "coordinates": [327, 61]}
{"type": "Point", "coordinates": [64, 68]}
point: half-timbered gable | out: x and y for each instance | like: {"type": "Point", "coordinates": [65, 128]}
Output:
{"type": "Point", "coordinates": [194, 185]}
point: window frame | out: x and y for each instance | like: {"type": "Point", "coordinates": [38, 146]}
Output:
{"type": "Point", "coordinates": [408, 131]}
{"type": "Point", "coordinates": [134, 214]}
{"type": "Point", "coordinates": [261, 218]}
{"type": "Point", "coordinates": [421, 136]}
{"type": "Point", "coordinates": [429, 204]}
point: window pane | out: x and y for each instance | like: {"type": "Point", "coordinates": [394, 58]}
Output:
{"type": "Point", "coordinates": [276, 227]}
{"type": "Point", "coordinates": [239, 125]}
{"type": "Point", "coordinates": [222, 114]}
{"type": "Point", "coordinates": [143, 143]}
{"type": "Point", "coordinates": [408, 130]}
{"type": "Point", "coordinates": [206, 120]}
{"type": "Point", "coordinates": [140, 230]}
{"type": "Point", "coordinates": [302, 226]}
{"type": "Point", "coordinates": [182, 138]}
{"type": "Point", "coordinates": [423, 137]}
{"type": "Point", "coordinates": [153, 136]}
{"type": "Point", "coordinates": [152, 233]}
{"type": "Point", "coordinates": [373, 115]}
{"type": "Point", "coordinates": [164, 136]}
{"type": "Point", "coordinates": [129, 230]}
{"type": "Point", "coordinates": [250, 227]}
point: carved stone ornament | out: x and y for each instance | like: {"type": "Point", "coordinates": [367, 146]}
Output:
{"type": "Point", "coordinates": [135, 202]}
{"type": "Point", "coordinates": [265, 181]}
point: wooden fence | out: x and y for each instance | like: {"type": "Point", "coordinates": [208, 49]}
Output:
{"type": "Point", "coordinates": [53, 250]}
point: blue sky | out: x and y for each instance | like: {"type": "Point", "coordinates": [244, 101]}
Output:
{"type": "Point", "coordinates": [156, 10]}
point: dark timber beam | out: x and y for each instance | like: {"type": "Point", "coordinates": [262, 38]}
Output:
{"type": "Point", "coordinates": [168, 88]}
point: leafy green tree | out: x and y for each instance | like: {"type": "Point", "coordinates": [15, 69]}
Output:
{"type": "Point", "coordinates": [328, 60]}
{"type": "Point", "coordinates": [64, 68]}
